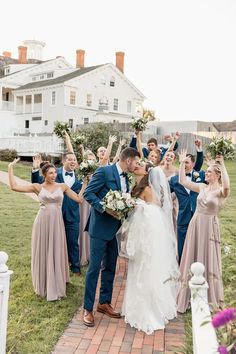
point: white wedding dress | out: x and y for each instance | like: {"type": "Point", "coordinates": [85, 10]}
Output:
{"type": "Point", "coordinates": [151, 287]}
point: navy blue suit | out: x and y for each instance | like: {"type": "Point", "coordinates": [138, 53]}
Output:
{"type": "Point", "coordinates": [187, 201]}
{"type": "Point", "coordinates": [71, 217]}
{"type": "Point", "coordinates": [102, 229]}
{"type": "Point", "coordinates": [146, 152]}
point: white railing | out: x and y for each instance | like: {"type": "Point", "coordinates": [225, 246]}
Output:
{"type": "Point", "coordinates": [25, 145]}
{"type": "Point", "coordinates": [7, 106]}
{"type": "Point", "coordinates": [204, 336]}
{"type": "Point", "coordinates": [4, 296]}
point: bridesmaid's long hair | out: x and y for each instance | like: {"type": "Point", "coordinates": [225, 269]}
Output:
{"type": "Point", "coordinates": [139, 188]}
{"type": "Point", "coordinates": [217, 169]}
{"type": "Point", "coordinates": [45, 165]}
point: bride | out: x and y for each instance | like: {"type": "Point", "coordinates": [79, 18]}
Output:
{"type": "Point", "coordinates": [150, 293]}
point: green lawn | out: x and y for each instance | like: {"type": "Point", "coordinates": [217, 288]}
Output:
{"type": "Point", "coordinates": [34, 325]}
{"type": "Point", "coordinates": [21, 170]}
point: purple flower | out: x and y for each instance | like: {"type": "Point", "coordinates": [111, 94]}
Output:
{"type": "Point", "coordinates": [223, 317]}
{"type": "Point", "coordinates": [222, 350]}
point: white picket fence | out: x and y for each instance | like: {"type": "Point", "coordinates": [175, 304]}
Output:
{"type": "Point", "coordinates": [4, 295]}
{"type": "Point", "coordinates": [204, 336]}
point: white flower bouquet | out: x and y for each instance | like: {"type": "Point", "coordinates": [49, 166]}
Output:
{"type": "Point", "coordinates": [87, 167]}
{"type": "Point", "coordinates": [78, 139]}
{"type": "Point", "coordinates": [140, 123]}
{"type": "Point", "coordinates": [221, 146]}
{"type": "Point", "coordinates": [121, 203]}
{"type": "Point", "coordinates": [60, 128]}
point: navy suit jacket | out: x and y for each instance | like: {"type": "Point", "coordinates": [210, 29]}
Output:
{"type": "Point", "coordinates": [133, 144]}
{"type": "Point", "coordinates": [187, 201]}
{"type": "Point", "coordinates": [70, 208]}
{"type": "Point", "coordinates": [102, 225]}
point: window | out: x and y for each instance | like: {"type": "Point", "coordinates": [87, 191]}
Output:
{"type": "Point", "coordinates": [46, 122]}
{"type": "Point", "coordinates": [28, 99]}
{"type": "Point", "coordinates": [49, 75]}
{"type": "Point", "coordinates": [53, 98]}
{"type": "Point", "coordinates": [129, 105]}
{"type": "Point", "coordinates": [26, 124]}
{"type": "Point", "coordinates": [112, 81]}
{"type": "Point", "coordinates": [36, 118]}
{"type": "Point", "coordinates": [115, 104]}
{"type": "Point", "coordinates": [41, 77]}
{"type": "Point", "coordinates": [70, 123]}
{"type": "Point", "coordinates": [89, 100]}
{"type": "Point", "coordinates": [72, 97]}
{"type": "Point", "coordinates": [34, 78]}
{"type": "Point", "coordinates": [86, 120]}
{"type": "Point", "coordinates": [38, 98]}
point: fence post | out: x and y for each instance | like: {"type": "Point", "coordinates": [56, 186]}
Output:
{"type": "Point", "coordinates": [4, 295]}
{"type": "Point", "coordinates": [204, 336]}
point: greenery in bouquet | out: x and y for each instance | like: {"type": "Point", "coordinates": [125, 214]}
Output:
{"type": "Point", "coordinates": [87, 167]}
{"type": "Point", "coordinates": [221, 146]}
{"type": "Point", "coordinates": [77, 139]}
{"type": "Point", "coordinates": [119, 202]}
{"type": "Point", "coordinates": [60, 127]}
{"type": "Point", "coordinates": [140, 123]}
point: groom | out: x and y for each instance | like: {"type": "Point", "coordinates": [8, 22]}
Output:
{"type": "Point", "coordinates": [102, 229]}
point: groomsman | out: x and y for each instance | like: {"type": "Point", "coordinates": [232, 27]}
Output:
{"type": "Point", "coordinates": [102, 229]}
{"type": "Point", "coordinates": [70, 208]}
{"type": "Point", "coordinates": [187, 199]}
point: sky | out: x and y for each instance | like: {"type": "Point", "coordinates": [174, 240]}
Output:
{"type": "Point", "coordinates": [181, 54]}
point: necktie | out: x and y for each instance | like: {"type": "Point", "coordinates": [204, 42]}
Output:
{"type": "Point", "coordinates": [124, 174]}
{"type": "Point", "coordinates": [188, 174]}
{"type": "Point", "coordinates": [69, 174]}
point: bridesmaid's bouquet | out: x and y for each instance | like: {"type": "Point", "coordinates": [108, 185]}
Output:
{"type": "Point", "coordinates": [87, 167]}
{"type": "Point", "coordinates": [221, 146]}
{"type": "Point", "coordinates": [78, 139]}
{"type": "Point", "coordinates": [60, 127]}
{"type": "Point", "coordinates": [140, 123]}
{"type": "Point", "coordinates": [121, 203]}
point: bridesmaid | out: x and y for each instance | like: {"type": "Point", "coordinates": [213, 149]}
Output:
{"type": "Point", "coordinates": [49, 261]}
{"type": "Point", "coordinates": [202, 242]}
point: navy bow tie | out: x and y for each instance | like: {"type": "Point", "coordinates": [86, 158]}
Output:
{"type": "Point", "coordinates": [124, 174]}
{"type": "Point", "coordinates": [69, 174]}
{"type": "Point", "coordinates": [188, 174]}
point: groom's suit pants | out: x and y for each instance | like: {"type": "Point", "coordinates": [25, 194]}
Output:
{"type": "Point", "coordinates": [103, 256]}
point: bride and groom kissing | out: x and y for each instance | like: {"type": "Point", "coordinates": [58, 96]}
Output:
{"type": "Point", "coordinates": [150, 294]}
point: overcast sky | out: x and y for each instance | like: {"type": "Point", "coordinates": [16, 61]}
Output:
{"type": "Point", "coordinates": [180, 53]}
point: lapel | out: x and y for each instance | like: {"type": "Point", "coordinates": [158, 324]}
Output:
{"type": "Point", "coordinates": [116, 175]}
{"type": "Point", "coordinates": [60, 175]}
{"type": "Point", "coordinates": [127, 183]}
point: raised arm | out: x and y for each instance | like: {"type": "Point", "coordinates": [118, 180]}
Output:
{"type": "Point", "coordinates": [68, 143]}
{"type": "Point", "coordinates": [79, 198]}
{"type": "Point", "coordinates": [117, 156]}
{"type": "Point", "coordinates": [199, 159]}
{"type": "Point", "coordinates": [139, 144]}
{"type": "Point", "coordinates": [195, 187]}
{"type": "Point", "coordinates": [31, 188]}
{"type": "Point", "coordinates": [105, 160]}
{"type": "Point", "coordinates": [225, 190]}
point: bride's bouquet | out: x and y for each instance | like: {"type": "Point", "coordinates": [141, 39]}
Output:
{"type": "Point", "coordinates": [60, 128]}
{"type": "Point", "coordinates": [121, 203]}
{"type": "Point", "coordinates": [221, 146]}
{"type": "Point", "coordinates": [140, 123]}
{"type": "Point", "coordinates": [87, 167]}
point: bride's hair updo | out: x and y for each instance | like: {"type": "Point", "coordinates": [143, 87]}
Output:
{"type": "Point", "coordinates": [45, 165]}
{"type": "Point", "coordinates": [139, 188]}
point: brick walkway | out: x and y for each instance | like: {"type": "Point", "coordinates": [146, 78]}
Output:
{"type": "Point", "coordinates": [114, 336]}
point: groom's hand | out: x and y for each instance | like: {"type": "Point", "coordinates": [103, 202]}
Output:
{"type": "Point", "coordinates": [112, 213]}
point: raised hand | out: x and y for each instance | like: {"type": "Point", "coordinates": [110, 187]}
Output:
{"type": "Point", "coordinates": [182, 155]}
{"type": "Point", "coordinates": [14, 162]}
{"type": "Point", "coordinates": [112, 139]}
{"type": "Point", "coordinates": [37, 159]}
{"type": "Point", "coordinates": [198, 144]}
{"type": "Point", "coordinates": [122, 142]}
{"type": "Point", "coordinates": [208, 159]}
{"type": "Point", "coordinates": [219, 159]}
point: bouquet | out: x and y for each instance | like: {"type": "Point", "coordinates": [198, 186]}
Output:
{"type": "Point", "coordinates": [221, 146]}
{"type": "Point", "coordinates": [140, 123]}
{"type": "Point", "coordinates": [119, 202]}
{"type": "Point", "coordinates": [60, 127]}
{"type": "Point", "coordinates": [87, 167]}
{"type": "Point", "coordinates": [78, 139]}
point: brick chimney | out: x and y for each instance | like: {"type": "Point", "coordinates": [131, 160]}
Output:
{"type": "Point", "coordinates": [120, 61]}
{"type": "Point", "coordinates": [6, 54]}
{"type": "Point", "coordinates": [22, 55]}
{"type": "Point", "coordinates": [80, 58]}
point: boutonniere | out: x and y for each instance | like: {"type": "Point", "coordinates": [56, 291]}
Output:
{"type": "Point", "coordinates": [131, 180]}
{"type": "Point", "coordinates": [195, 175]}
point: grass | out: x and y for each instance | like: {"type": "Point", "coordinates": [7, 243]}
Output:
{"type": "Point", "coordinates": [21, 170]}
{"type": "Point", "coordinates": [34, 325]}
{"type": "Point", "coordinates": [228, 239]}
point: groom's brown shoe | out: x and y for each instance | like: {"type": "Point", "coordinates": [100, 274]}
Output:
{"type": "Point", "coordinates": [108, 310]}
{"type": "Point", "coordinates": [88, 318]}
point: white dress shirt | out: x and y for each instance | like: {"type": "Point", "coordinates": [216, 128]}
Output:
{"type": "Point", "coordinates": [69, 181]}
{"type": "Point", "coordinates": [122, 179]}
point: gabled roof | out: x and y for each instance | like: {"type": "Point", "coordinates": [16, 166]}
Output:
{"type": "Point", "coordinates": [59, 79]}
{"type": "Point", "coordinates": [225, 126]}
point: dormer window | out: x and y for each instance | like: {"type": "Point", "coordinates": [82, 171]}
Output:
{"type": "Point", "coordinates": [49, 75]}
{"type": "Point", "coordinates": [72, 98]}
{"type": "Point", "coordinates": [112, 81]}
{"type": "Point", "coordinates": [41, 77]}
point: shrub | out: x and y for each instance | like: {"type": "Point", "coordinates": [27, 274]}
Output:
{"type": "Point", "coordinates": [8, 154]}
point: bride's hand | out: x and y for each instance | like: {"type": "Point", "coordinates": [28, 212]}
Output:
{"type": "Point", "coordinates": [182, 155]}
